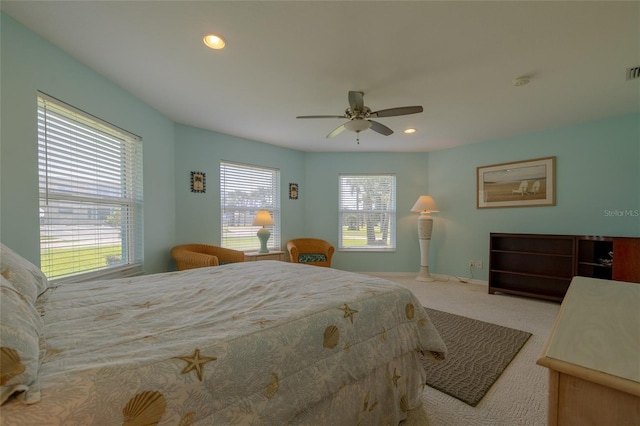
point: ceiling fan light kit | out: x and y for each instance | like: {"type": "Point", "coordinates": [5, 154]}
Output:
{"type": "Point", "coordinates": [359, 116]}
{"type": "Point", "coordinates": [357, 125]}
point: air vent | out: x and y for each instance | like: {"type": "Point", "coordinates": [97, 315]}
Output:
{"type": "Point", "coordinates": [633, 73]}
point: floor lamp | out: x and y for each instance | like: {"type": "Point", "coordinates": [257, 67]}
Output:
{"type": "Point", "coordinates": [424, 206]}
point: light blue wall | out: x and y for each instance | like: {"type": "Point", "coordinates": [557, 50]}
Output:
{"type": "Point", "coordinates": [29, 64]}
{"type": "Point", "coordinates": [321, 205]}
{"type": "Point", "coordinates": [315, 213]}
{"type": "Point", "coordinates": [198, 214]}
{"type": "Point", "coordinates": [597, 169]}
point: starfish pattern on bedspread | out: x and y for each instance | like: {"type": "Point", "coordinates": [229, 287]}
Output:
{"type": "Point", "coordinates": [348, 312]}
{"type": "Point", "coordinates": [195, 362]}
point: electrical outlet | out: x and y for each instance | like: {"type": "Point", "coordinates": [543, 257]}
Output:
{"type": "Point", "coordinates": [471, 265]}
{"type": "Point", "coordinates": [479, 264]}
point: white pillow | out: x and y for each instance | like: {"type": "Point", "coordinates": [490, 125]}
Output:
{"type": "Point", "coordinates": [20, 329]}
{"type": "Point", "coordinates": [26, 278]}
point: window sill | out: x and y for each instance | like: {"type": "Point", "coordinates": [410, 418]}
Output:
{"type": "Point", "coordinates": [104, 274]}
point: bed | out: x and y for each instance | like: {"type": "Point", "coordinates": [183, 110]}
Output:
{"type": "Point", "coordinates": [255, 343]}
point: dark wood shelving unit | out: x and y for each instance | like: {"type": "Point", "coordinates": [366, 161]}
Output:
{"type": "Point", "coordinates": [595, 257]}
{"type": "Point", "coordinates": [542, 266]}
{"type": "Point", "coordinates": [531, 265]}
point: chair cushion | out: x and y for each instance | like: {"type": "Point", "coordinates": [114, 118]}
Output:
{"type": "Point", "coordinates": [312, 257]}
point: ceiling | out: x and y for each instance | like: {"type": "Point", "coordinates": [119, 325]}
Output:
{"type": "Point", "coordinates": [283, 59]}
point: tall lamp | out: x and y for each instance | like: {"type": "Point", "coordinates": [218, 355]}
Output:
{"type": "Point", "coordinates": [263, 218]}
{"type": "Point", "coordinates": [424, 206]}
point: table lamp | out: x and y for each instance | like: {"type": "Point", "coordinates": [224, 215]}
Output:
{"type": "Point", "coordinates": [263, 218]}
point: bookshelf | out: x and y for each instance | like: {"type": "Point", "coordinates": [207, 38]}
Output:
{"type": "Point", "coordinates": [542, 266]}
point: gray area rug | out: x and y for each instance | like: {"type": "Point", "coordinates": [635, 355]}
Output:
{"type": "Point", "coordinates": [478, 352]}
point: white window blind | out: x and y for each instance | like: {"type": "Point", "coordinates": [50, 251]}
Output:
{"type": "Point", "coordinates": [90, 180]}
{"type": "Point", "coordinates": [367, 210]}
{"type": "Point", "coordinates": [245, 189]}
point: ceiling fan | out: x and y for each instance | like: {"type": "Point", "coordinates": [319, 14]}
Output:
{"type": "Point", "coordinates": [359, 116]}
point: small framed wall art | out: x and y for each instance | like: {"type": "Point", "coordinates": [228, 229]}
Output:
{"type": "Point", "coordinates": [293, 191]}
{"type": "Point", "coordinates": [198, 183]}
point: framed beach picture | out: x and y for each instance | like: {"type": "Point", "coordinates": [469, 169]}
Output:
{"type": "Point", "coordinates": [519, 184]}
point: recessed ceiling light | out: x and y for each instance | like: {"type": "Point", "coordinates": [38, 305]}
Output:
{"type": "Point", "coordinates": [410, 130]}
{"type": "Point", "coordinates": [213, 41]}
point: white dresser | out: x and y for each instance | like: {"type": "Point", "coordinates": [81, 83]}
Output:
{"type": "Point", "coordinates": [593, 355]}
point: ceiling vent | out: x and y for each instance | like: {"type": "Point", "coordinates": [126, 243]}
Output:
{"type": "Point", "coordinates": [633, 73]}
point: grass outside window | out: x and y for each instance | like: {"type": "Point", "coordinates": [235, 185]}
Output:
{"type": "Point", "coordinates": [60, 262]}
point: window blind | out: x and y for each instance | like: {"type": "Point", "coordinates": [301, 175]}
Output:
{"type": "Point", "coordinates": [245, 189]}
{"type": "Point", "coordinates": [367, 211]}
{"type": "Point", "coordinates": [90, 181]}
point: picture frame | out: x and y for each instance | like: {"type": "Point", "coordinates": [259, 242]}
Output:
{"type": "Point", "coordinates": [529, 183]}
{"type": "Point", "coordinates": [198, 182]}
{"type": "Point", "coordinates": [293, 191]}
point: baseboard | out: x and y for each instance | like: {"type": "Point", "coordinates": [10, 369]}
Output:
{"type": "Point", "coordinates": [460, 279]}
{"type": "Point", "coordinates": [389, 274]}
{"type": "Point", "coordinates": [438, 277]}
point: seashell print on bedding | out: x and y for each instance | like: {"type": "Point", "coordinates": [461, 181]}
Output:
{"type": "Point", "coordinates": [10, 365]}
{"type": "Point", "coordinates": [187, 420]}
{"type": "Point", "coordinates": [404, 404]}
{"type": "Point", "coordinates": [331, 337]}
{"type": "Point", "coordinates": [410, 311]}
{"type": "Point", "coordinates": [272, 388]}
{"type": "Point", "coordinates": [383, 335]}
{"type": "Point", "coordinates": [146, 408]}
{"type": "Point", "coordinates": [395, 377]}
{"type": "Point", "coordinates": [367, 406]}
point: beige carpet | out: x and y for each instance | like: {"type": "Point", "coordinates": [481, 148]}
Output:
{"type": "Point", "coordinates": [519, 396]}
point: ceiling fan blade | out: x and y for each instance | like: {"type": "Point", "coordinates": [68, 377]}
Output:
{"type": "Point", "coordinates": [392, 112]}
{"type": "Point", "coordinates": [380, 128]}
{"type": "Point", "coordinates": [336, 131]}
{"type": "Point", "coordinates": [356, 100]}
{"type": "Point", "coordinates": [322, 116]}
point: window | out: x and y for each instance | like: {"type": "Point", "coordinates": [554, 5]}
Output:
{"type": "Point", "coordinates": [367, 212]}
{"type": "Point", "coordinates": [245, 189]}
{"type": "Point", "coordinates": [90, 180]}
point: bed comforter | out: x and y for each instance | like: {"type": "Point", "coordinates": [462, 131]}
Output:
{"type": "Point", "coordinates": [255, 343]}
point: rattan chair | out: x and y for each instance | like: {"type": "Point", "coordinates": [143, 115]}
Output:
{"type": "Point", "coordinates": [189, 256]}
{"type": "Point", "coordinates": [310, 251]}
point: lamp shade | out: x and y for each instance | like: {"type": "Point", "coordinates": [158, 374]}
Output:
{"type": "Point", "coordinates": [263, 218]}
{"type": "Point", "coordinates": [425, 204]}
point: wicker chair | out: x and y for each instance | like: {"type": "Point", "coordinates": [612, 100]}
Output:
{"type": "Point", "coordinates": [310, 251]}
{"type": "Point", "coordinates": [189, 256]}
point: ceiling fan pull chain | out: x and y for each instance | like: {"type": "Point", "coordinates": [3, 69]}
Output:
{"type": "Point", "coordinates": [358, 137]}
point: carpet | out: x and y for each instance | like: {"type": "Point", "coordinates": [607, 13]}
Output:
{"type": "Point", "coordinates": [478, 353]}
